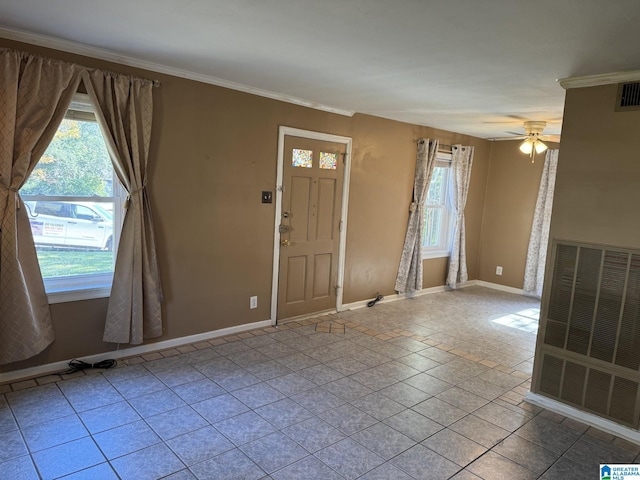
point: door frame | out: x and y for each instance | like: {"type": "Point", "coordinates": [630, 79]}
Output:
{"type": "Point", "coordinates": [326, 137]}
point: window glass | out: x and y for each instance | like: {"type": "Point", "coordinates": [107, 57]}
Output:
{"type": "Point", "coordinates": [302, 158]}
{"type": "Point", "coordinates": [328, 161]}
{"type": "Point", "coordinates": [438, 216]}
{"type": "Point", "coordinates": [71, 197]}
{"type": "Point", "coordinates": [435, 194]}
{"type": "Point", "coordinates": [433, 227]}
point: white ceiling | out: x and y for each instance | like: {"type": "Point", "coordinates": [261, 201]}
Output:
{"type": "Point", "coordinates": [457, 65]}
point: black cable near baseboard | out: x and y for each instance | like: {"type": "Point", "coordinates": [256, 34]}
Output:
{"type": "Point", "coordinates": [76, 365]}
{"type": "Point", "coordinates": [375, 300]}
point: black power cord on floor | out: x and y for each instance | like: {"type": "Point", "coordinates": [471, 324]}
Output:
{"type": "Point", "coordinates": [76, 365]}
{"type": "Point", "coordinates": [375, 300]}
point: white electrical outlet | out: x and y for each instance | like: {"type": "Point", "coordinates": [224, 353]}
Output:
{"type": "Point", "coordinates": [498, 270]}
{"type": "Point", "coordinates": [253, 302]}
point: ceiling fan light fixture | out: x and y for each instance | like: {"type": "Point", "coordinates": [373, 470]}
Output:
{"type": "Point", "coordinates": [526, 147]}
{"type": "Point", "coordinates": [532, 144]}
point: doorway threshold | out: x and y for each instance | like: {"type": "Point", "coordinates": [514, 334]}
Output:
{"type": "Point", "coordinates": [306, 316]}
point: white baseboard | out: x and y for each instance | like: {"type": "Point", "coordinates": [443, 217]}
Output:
{"type": "Point", "coordinates": [402, 296]}
{"type": "Point", "coordinates": [497, 286]}
{"type": "Point", "coordinates": [57, 367]}
{"type": "Point", "coordinates": [363, 303]}
{"type": "Point", "coordinates": [584, 417]}
{"type": "Point", "coordinates": [438, 289]}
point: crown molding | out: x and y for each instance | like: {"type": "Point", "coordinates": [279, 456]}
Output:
{"type": "Point", "coordinates": [600, 79]}
{"type": "Point", "coordinates": [102, 54]}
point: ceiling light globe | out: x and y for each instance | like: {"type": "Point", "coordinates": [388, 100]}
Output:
{"type": "Point", "coordinates": [527, 146]}
{"type": "Point", "coordinates": [540, 147]}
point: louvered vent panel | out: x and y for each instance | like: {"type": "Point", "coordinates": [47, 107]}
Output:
{"type": "Point", "coordinates": [628, 352]}
{"type": "Point", "coordinates": [573, 384]}
{"type": "Point", "coordinates": [630, 95]}
{"type": "Point", "coordinates": [598, 388]}
{"type": "Point", "coordinates": [614, 271]}
{"type": "Point", "coordinates": [590, 353]}
{"type": "Point", "coordinates": [584, 300]}
{"type": "Point", "coordinates": [560, 301]}
{"type": "Point", "coordinates": [623, 400]}
{"type": "Point", "coordinates": [555, 334]}
{"type": "Point", "coordinates": [551, 375]}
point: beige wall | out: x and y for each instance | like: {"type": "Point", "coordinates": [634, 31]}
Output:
{"type": "Point", "coordinates": [474, 210]}
{"type": "Point", "coordinates": [511, 193]}
{"type": "Point", "coordinates": [596, 201]}
{"type": "Point", "coordinates": [213, 152]}
{"type": "Point", "coordinates": [598, 183]}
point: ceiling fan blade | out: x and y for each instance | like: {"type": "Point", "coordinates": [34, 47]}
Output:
{"type": "Point", "coordinates": [500, 139]}
{"type": "Point", "coordinates": [518, 117]}
{"type": "Point", "coordinates": [550, 138]}
{"type": "Point", "coordinates": [508, 119]}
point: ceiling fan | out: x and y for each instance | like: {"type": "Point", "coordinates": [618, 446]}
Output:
{"type": "Point", "coordinates": [533, 137]}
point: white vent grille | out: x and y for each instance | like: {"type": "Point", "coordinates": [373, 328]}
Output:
{"type": "Point", "coordinates": [589, 388]}
{"type": "Point", "coordinates": [588, 353]}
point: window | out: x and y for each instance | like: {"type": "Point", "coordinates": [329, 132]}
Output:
{"type": "Point", "coordinates": [438, 216]}
{"type": "Point", "coordinates": [74, 203]}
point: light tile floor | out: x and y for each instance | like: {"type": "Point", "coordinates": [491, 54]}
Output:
{"type": "Point", "coordinates": [427, 388]}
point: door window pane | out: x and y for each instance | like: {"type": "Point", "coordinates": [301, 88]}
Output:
{"type": "Point", "coordinates": [328, 161]}
{"type": "Point", "coordinates": [302, 158]}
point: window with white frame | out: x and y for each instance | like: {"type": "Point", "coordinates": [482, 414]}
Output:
{"type": "Point", "coordinates": [438, 215]}
{"type": "Point", "coordinates": [74, 203]}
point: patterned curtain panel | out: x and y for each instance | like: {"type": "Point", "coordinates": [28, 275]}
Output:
{"type": "Point", "coordinates": [461, 163]}
{"type": "Point", "coordinates": [409, 277]}
{"type": "Point", "coordinates": [124, 108]}
{"type": "Point", "coordinates": [539, 240]}
{"type": "Point", "coordinates": [35, 93]}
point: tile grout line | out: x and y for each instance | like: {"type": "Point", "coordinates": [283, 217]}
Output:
{"type": "Point", "coordinates": [513, 396]}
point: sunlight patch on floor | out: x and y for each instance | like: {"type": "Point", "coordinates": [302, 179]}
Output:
{"type": "Point", "coordinates": [525, 320]}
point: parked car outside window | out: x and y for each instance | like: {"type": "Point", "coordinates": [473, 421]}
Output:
{"type": "Point", "coordinates": [84, 225]}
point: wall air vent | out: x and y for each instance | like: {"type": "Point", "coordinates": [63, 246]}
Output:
{"type": "Point", "coordinates": [628, 97]}
{"type": "Point", "coordinates": [588, 351]}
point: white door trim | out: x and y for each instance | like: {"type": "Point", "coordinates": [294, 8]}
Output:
{"type": "Point", "coordinates": [325, 137]}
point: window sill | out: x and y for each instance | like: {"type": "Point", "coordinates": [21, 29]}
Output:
{"type": "Point", "coordinates": [76, 294]}
{"type": "Point", "coordinates": [78, 287]}
{"type": "Point", "coordinates": [429, 254]}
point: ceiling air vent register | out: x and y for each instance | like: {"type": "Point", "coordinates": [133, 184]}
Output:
{"type": "Point", "coordinates": [588, 351]}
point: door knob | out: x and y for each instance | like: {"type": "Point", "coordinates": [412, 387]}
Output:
{"type": "Point", "coordinates": [284, 243]}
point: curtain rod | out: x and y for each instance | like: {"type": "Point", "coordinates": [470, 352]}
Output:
{"type": "Point", "coordinates": [26, 55]}
{"type": "Point", "coordinates": [441, 147]}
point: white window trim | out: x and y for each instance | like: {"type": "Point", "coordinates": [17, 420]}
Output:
{"type": "Point", "coordinates": [443, 160]}
{"type": "Point", "coordinates": [75, 288]}
{"type": "Point", "coordinates": [101, 288]}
